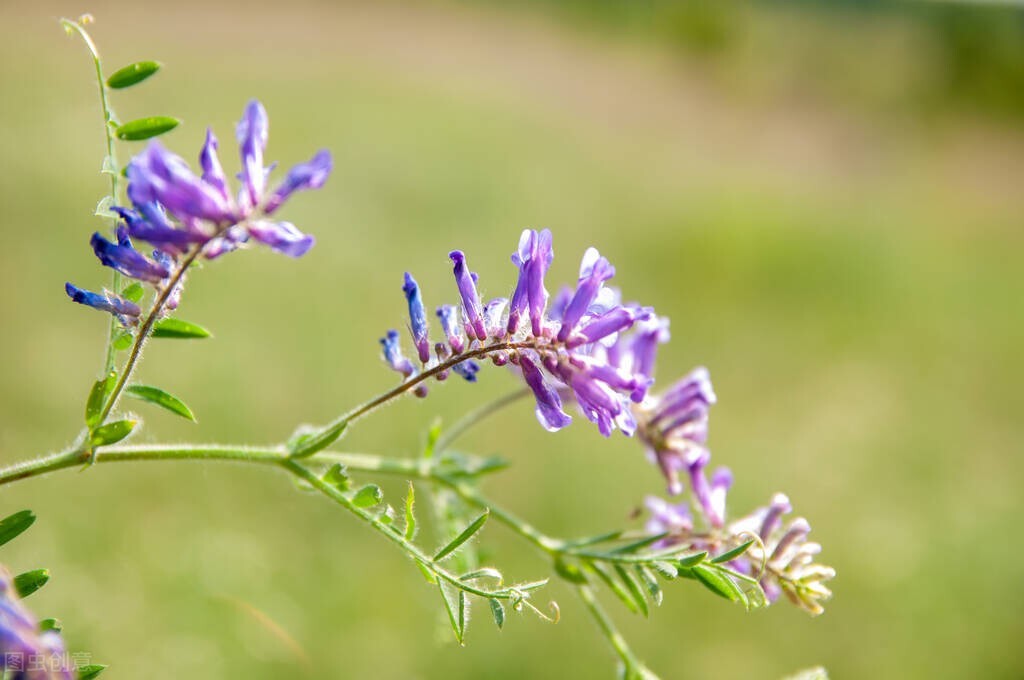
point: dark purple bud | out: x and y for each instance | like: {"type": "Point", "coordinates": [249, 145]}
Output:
{"type": "Point", "coordinates": [114, 304]}
{"type": "Point", "coordinates": [393, 354]}
{"type": "Point", "coordinates": [470, 298]}
{"type": "Point", "coordinates": [252, 134]}
{"type": "Point", "coordinates": [127, 260]}
{"type": "Point", "coordinates": [549, 405]}
{"type": "Point", "coordinates": [594, 271]}
{"type": "Point", "coordinates": [311, 175]}
{"type": "Point", "coordinates": [467, 369]}
{"type": "Point", "coordinates": [283, 237]}
{"type": "Point", "coordinates": [452, 326]}
{"type": "Point", "coordinates": [417, 317]}
{"type": "Point", "coordinates": [213, 173]}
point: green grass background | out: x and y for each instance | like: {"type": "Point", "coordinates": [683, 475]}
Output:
{"type": "Point", "coordinates": [851, 275]}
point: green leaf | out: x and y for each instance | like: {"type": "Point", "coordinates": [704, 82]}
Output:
{"type": "Point", "coordinates": [733, 554]}
{"type": "Point", "coordinates": [463, 612]}
{"type": "Point", "coordinates": [634, 588]}
{"type": "Point", "coordinates": [13, 525]}
{"type": "Point", "coordinates": [691, 560]}
{"type": "Point", "coordinates": [337, 476]}
{"type": "Point", "coordinates": [155, 395]}
{"type": "Point", "coordinates": [103, 208]}
{"type": "Point", "coordinates": [453, 617]}
{"type": "Point", "coordinates": [651, 582]}
{"type": "Point", "coordinates": [176, 328]}
{"type": "Point", "coordinates": [31, 581]}
{"type": "Point", "coordinates": [410, 516]}
{"type": "Point", "coordinates": [466, 534]}
{"type": "Point", "coordinates": [616, 587]}
{"type": "Point", "coordinates": [132, 74]}
{"type": "Point", "coordinates": [50, 624]}
{"type": "Point", "coordinates": [498, 612]}
{"type": "Point", "coordinates": [570, 572]}
{"type": "Point", "coordinates": [91, 671]}
{"type": "Point", "coordinates": [592, 540]}
{"type": "Point", "coordinates": [112, 433]}
{"type": "Point", "coordinates": [718, 583]}
{"type": "Point", "coordinates": [133, 292]}
{"type": "Point", "coordinates": [97, 397]}
{"type": "Point", "coordinates": [427, 573]}
{"type": "Point", "coordinates": [144, 128]}
{"type": "Point", "coordinates": [368, 496]}
{"type": "Point", "coordinates": [307, 445]}
{"type": "Point", "coordinates": [642, 543]}
{"type": "Point", "coordinates": [483, 572]}
{"type": "Point", "coordinates": [666, 569]}
{"type": "Point", "coordinates": [123, 341]}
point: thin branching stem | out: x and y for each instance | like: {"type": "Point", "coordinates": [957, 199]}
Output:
{"type": "Point", "coordinates": [112, 168]}
{"type": "Point", "coordinates": [471, 419]}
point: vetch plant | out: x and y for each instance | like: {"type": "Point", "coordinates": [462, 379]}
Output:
{"type": "Point", "coordinates": [582, 351]}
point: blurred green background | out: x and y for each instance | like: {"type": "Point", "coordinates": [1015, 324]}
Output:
{"type": "Point", "coordinates": [825, 198]}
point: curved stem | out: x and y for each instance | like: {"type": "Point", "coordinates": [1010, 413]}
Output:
{"type": "Point", "coordinates": [144, 331]}
{"type": "Point", "coordinates": [634, 669]}
{"type": "Point", "coordinates": [408, 385]}
{"type": "Point", "coordinates": [111, 167]}
{"type": "Point", "coordinates": [473, 418]}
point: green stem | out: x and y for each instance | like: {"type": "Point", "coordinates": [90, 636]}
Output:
{"type": "Point", "coordinates": [112, 168]}
{"type": "Point", "coordinates": [472, 418]}
{"type": "Point", "coordinates": [634, 668]}
{"type": "Point", "coordinates": [143, 333]}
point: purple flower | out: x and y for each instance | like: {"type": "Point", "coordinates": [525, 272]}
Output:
{"type": "Point", "coordinates": [417, 317]}
{"type": "Point", "coordinates": [311, 175]}
{"type": "Point", "coordinates": [25, 653]}
{"type": "Point", "coordinates": [549, 405]}
{"type": "Point", "coordinates": [594, 271]}
{"type": "Point", "coordinates": [125, 259]}
{"type": "Point", "coordinates": [466, 283]}
{"type": "Point", "coordinates": [533, 258]}
{"type": "Point", "coordinates": [667, 518]}
{"type": "Point", "coordinates": [281, 236]}
{"type": "Point", "coordinates": [157, 175]}
{"type": "Point", "coordinates": [204, 211]}
{"type": "Point", "coordinates": [452, 326]}
{"type": "Point", "coordinates": [252, 133]}
{"type": "Point", "coordinates": [127, 311]}
{"type": "Point", "coordinates": [594, 365]}
{"type": "Point", "coordinates": [393, 354]}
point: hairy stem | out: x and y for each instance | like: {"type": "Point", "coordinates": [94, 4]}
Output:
{"type": "Point", "coordinates": [112, 168]}
{"type": "Point", "coordinates": [144, 330]}
{"type": "Point", "coordinates": [634, 669]}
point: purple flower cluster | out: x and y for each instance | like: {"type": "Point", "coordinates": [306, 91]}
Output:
{"type": "Point", "coordinates": [178, 212]}
{"type": "Point", "coordinates": [584, 345]}
{"type": "Point", "coordinates": [25, 652]}
{"type": "Point", "coordinates": [674, 428]}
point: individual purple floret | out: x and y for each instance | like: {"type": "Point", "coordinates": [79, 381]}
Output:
{"type": "Point", "coordinates": [126, 311]}
{"type": "Point", "coordinates": [125, 259]}
{"type": "Point", "coordinates": [674, 425]}
{"type": "Point", "coordinates": [391, 343]}
{"type": "Point", "coordinates": [417, 318]}
{"type": "Point", "coordinates": [25, 652]}
{"type": "Point", "coordinates": [593, 365]}
{"type": "Point", "coordinates": [466, 282]}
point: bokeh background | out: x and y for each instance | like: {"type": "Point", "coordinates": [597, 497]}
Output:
{"type": "Point", "coordinates": [824, 197]}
